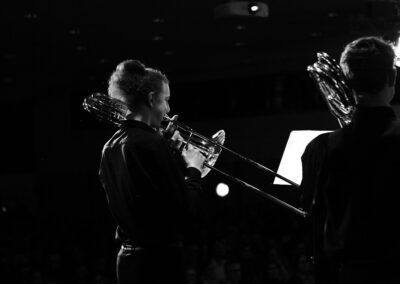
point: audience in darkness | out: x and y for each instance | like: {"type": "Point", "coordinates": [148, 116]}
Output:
{"type": "Point", "coordinates": [248, 250]}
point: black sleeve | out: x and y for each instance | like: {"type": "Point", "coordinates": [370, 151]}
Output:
{"type": "Point", "coordinates": [193, 178]}
{"type": "Point", "coordinates": [312, 164]}
{"type": "Point", "coordinates": [171, 171]}
{"type": "Point", "coordinates": [168, 176]}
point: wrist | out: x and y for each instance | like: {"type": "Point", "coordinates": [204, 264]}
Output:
{"type": "Point", "coordinates": [193, 172]}
{"type": "Point", "coordinates": [195, 166]}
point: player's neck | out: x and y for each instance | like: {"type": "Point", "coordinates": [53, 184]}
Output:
{"type": "Point", "coordinates": [140, 115]}
{"type": "Point", "coordinates": [382, 98]}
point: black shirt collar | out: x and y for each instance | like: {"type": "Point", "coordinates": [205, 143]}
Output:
{"type": "Point", "coordinates": [371, 117]}
{"type": "Point", "coordinates": [374, 113]}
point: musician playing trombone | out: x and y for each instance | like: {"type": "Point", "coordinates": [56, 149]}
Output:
{"type": "Point", "coordinates": [150, 190]}
{"type": "Point", "coordinates": [351, 176]}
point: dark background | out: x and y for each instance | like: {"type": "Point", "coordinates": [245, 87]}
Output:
{"type": "Point", "coordinates": [246, 75]}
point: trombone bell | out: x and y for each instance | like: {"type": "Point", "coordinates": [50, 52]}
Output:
{"type": "Point", "coordinates": [210, 148]}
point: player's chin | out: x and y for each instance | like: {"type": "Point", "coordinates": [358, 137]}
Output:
{"type": "Point", "coordinates": [157, 124]}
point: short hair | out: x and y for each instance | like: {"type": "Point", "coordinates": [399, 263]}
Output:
{"type": "Point", "coordinates": [368, 64]}
{"type": "Point", "coordinates": [132, 81]}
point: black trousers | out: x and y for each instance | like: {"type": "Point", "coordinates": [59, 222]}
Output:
{"type": "Point", "coordinates": [153, 265]}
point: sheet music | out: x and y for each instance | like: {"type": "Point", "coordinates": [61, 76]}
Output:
{"type": "Point", "coordinates": [290, 165]}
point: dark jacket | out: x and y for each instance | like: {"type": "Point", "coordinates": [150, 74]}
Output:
{"type": "Point", "coordinates": [150, 193]}
{"type": "Point", "coordinates": [350, 186]}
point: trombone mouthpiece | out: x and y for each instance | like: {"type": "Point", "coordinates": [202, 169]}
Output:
{"type": "Point", "coordinates": [167, 118]}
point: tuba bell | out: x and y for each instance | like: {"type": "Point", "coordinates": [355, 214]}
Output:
{"type": "Point", "coordinates": [332, 84]}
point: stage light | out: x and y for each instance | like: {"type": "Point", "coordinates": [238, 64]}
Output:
{"type": "Point", "coordinates": [242, 9]}
{"type": "Point", "coordinates": [222, 189]}
{"type": "Point", "coordinates": [253, 8]}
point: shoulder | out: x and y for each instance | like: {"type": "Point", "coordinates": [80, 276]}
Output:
{"type": "Point", "coordinates": [394, 129]}
{"type": "Point", "coordinates": [318, 142]}
{"type": "Point", "coordinates": [323, 144]}
{"type": "Point", "coordinates": [115, 138]}
{"type": "Point", "coordinates": [134, 138]}
{"type": "Point", "coordinates": [145, 142]}
{"type": "Point", "coordinates": [315, 150]}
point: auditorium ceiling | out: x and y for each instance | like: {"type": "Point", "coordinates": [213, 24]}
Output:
{"type": "Point", "coordinates": [186, 38]}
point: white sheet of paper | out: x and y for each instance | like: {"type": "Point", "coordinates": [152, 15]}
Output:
{"type": "Point", "coordinates": [290, 166]}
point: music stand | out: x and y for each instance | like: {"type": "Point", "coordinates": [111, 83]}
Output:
{"type": "Point", "coordinates": [290, 165]}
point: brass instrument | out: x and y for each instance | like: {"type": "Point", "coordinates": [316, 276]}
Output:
{"type": "Point", "coordinates": [114, 112]}
{"type": "Point", "coordinates": [331, 81]}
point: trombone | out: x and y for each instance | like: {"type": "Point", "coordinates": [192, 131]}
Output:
{"type": "Point", "coordinates": [114, 112]}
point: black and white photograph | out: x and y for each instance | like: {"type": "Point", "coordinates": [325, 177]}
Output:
{"type": "Point", "coordinates": [200, 142]}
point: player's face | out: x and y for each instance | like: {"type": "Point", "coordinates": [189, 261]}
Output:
{"type": "Point", "coordinates": [160, 105]}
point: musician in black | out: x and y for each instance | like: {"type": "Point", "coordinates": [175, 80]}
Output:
{"type": "Point", "coordinates": [150, 190]}
{"type": "Point", "coordinates": [351, 176]}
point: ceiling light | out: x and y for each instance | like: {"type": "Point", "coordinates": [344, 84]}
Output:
{"type": "Point", "coordinates": [253, 8]}
{"type": "Point", "coordinates": [242, 9]}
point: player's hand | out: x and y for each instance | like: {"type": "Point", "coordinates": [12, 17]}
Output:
{"type": "Point", "coordinates": [193, 157]}
{"type": "Point", "coordinates": [176, 140]}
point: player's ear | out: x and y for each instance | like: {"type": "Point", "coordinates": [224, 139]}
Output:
{"type": "Point", "coordinates": [150, 99]}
